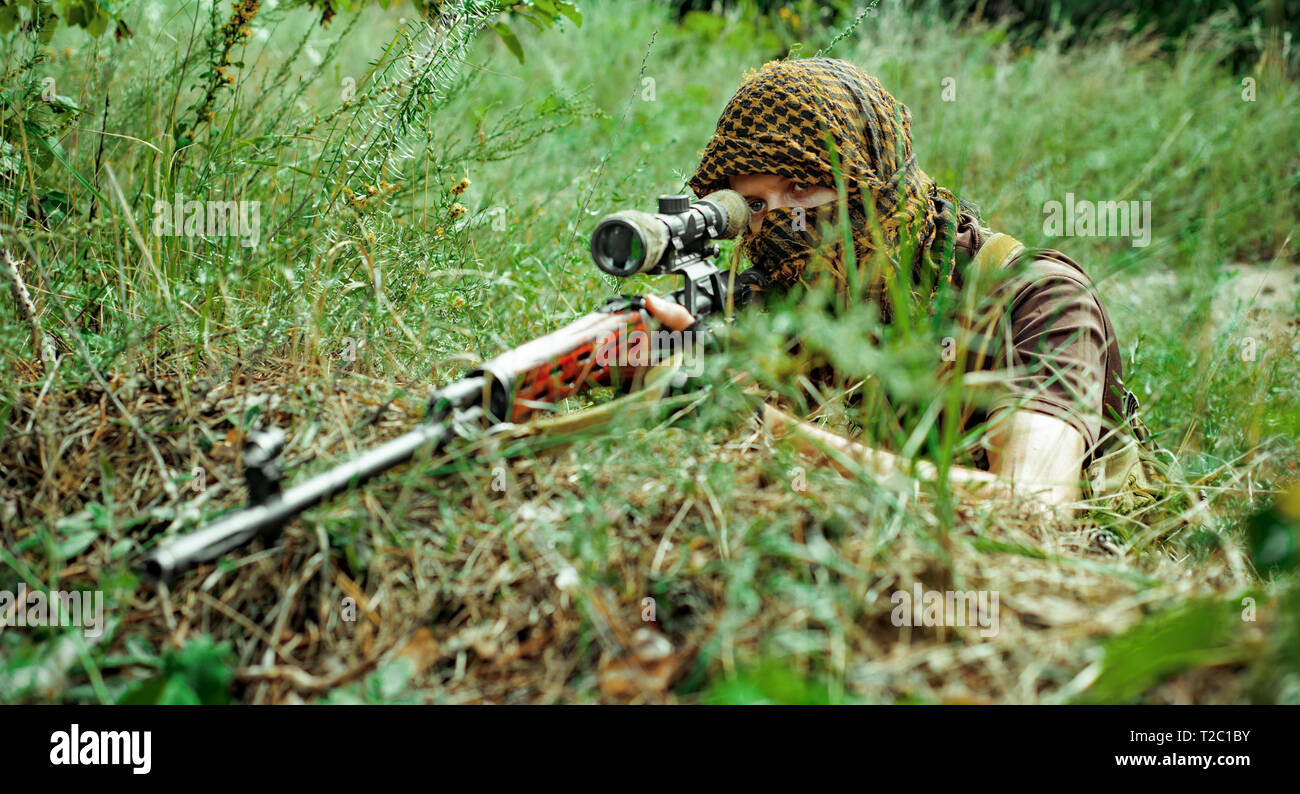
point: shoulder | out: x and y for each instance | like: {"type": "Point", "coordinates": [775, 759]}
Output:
{"type": "Point", "coordinates": [1052, 266]}
{"type": "Point", "coordinates": [1037, 265]}
{"type": "Point", "coordinates": [1047, 283]}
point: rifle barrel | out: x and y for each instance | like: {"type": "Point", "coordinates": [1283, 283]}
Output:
{"type": "Point", "coordinates": [240, 526]}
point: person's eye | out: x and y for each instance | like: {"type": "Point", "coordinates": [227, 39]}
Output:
{"type": "Point", "coordinates": [756, 205]}
{"type": "Point", "coordinates": [802, 194]}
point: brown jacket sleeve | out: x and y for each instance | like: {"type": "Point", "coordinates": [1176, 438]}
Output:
{"type": "Point", "coordinates": [1064, 355]}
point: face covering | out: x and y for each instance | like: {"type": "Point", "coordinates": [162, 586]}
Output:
{"type": "Point", "coordinates": [793, 238]}
{"type": "Point", "coordinates": [777, 123]}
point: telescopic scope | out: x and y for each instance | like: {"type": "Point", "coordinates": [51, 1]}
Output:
{"type": "Point", "coordinates": [629, 242]}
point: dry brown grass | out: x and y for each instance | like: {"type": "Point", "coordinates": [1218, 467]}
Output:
{"type": "Point", "coordinates": [535, 594]}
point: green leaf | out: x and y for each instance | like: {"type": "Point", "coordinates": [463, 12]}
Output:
{"type": "Point", "coordinates": [46, 34]}
{"type": "Point", "coordinates": [389, 681]}
{"type": "Point", "coordinates": [343, 697]}
{"type": "Point", "coordinates": [98, 24]}
{"type": "Point", "coordinates": [1197, 634]}
{"type": "Point", "coordinates": [99, 515]}
{"type": "Point", "coordinates": [539, 21]}
{"type": "Point", "coordinates": [145, 693]}
{"type": "Point", "coordinates": [55, 203]}
{"type": "Point", "coordinates": [1274, 534]}
{"type": "Point", "coordinates": [511, 41]}
{"type": "Point", "coordinates": [197, 674]}
{"type": "Point", "coordinates": [64, 103]}
{"type": "Point", "coordinates": [176, 692]}
{"type": "Point", "coordinates": [997, 546]}
{"type": "Point", "coordinates": [206, 666]}
{"type": "Point", "coordinates": [161, 691]}
{"type": "Point", "coordinates": [772, 682]}
{"type": "Point", "coordinates": [571, 11]}
{"type": "Point", "coordinates": [76, 544]}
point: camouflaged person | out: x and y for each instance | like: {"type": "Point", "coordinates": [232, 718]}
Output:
{"type": "Point", "coordinates": [1066, 427]}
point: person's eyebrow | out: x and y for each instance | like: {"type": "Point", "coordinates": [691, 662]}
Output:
{"type": "Point", "coordinates": [781, 187]}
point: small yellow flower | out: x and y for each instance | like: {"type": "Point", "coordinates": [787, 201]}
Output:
{"type": "Point", "coordinates": [460, 187]}
{"type": "Point", "coordinates": [458, 210]}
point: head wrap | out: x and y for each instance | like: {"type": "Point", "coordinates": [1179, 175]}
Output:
{"type": "Point", "coordinates": [776, 123]}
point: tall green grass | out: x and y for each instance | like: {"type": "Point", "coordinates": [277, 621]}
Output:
{"type": "Point", "coordinates": [362, 248]}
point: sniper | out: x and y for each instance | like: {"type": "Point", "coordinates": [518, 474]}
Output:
{"type": "Point", "coordinates": [781, 141]}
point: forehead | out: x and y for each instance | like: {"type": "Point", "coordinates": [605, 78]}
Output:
{"type": "Point", "coordinates": [757, 183]}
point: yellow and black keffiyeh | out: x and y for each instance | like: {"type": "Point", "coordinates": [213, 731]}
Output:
{"type": "Point", "coordinates": [776, 123]}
